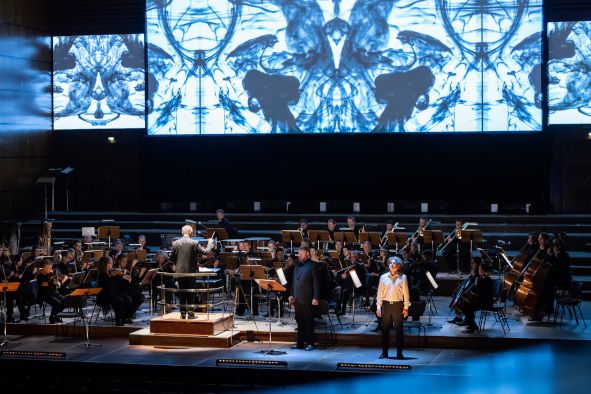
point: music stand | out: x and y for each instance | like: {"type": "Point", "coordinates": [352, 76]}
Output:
{"type": "Point", "coordinates": [372, 236]}
{"type": "Point", "coordinates": [108, 232]}
{"type": "Point", "coordinates": [270, 285]}
{"type": "Point", "coordinates": [89, 291]}
{"type": "Point", "coordinates": [220, 233]}
{"type": "Point", "coordinates": [291, 236]}
{"type": "Point", "coordinates": [349, 237]}
{"type": "Point", "coordinates": [395, 239]}
{"type": "Point", "coordinates": [436, 239]}
{"type": "Point", "coordinates": [7, 287]}
{"type": "Point", "coordinates": [314, 237]}
{"type": "Point", "coordinates": [356, 285]}
{"type": "Point", "coordinates": [252, 273]}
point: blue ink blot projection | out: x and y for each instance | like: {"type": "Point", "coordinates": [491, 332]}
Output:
{"type": "Point", "coordinates": [569, 72]}
{"type": "Point", "coordinates": [343, 66]}
{"type": "Point", "coordinates": [99, 82]}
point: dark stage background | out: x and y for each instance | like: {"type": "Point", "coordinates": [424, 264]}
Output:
{"type": "Point", "coordinates": [455, 173]}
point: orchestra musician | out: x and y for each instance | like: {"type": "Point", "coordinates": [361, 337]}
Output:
{"type": "Point", "coordinates": [78, 252]}
{"type": "Point", "coordinates": [49, 290]}
{"type": "Point", "coordinates": [131, 286]}
{"type": "Point", "coordinates": [303, 228]}
{"type": "Point", "coordinates": [561, 265]}
{"type": "Point", "coordinates": [184, 255]}
{"type": "Point", "coordinates": [352, 226]}
{"type": "Point", "coordinates": [331, 227]}
{"type": "Point", "coordinates": [483, 287]}
{"type": "Point", "coordinates": [112, 293]}
{"type": "Point", "coordinates": [244, 257]}
{"type": "Point", "coordinates": [225, 223]}
{"type": "Point", "coordinates": [418, 235]}
{"type": "Point", "coordinates": [393, 301]}
{"type": "Point", "coordinates": [13, 273]}
{"type": "Point", "coordinates": [531, 246]}
{"type": "Point", "coordinates": [64, 268]}
{"type": "Point", "coordinates": [545, 304]}
{"type": "Point", "coordinates": [475, 263]}
{"type": "Point", "coordinates": [305, 293]}
{"type": "Point", "coordinates": [456, 250]}
{"type": "Point", "coordinates": [168, 281]}
{"type": "Point", "coordinates": [141, 240]}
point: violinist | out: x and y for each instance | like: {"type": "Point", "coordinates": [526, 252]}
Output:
{"type": "Point", "coordinates": [483, 288]}
{"type": "Point", "coordinates": [112, 294]}
{"type": "Point", "coordinates": [126, 285]}
{"type": "Point", "coordinates": [475, 263]}
{"type": "Point", "coordinates": [457, 251]}
{"type": "Point", "coordinates": [48, 290]}
{"type": "Point", "coordinates": [64, 268]}
{"type": "Point", "coordinates": [13, 274]}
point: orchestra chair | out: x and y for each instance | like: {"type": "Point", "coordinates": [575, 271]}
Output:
{"type": "Point", "coordinates": [74, 308]}
{"type": "Point", "coordinates": [324, 310]}
{"type": "Point", "coordinates": [418, 324]}
{"type": "Point", "coordinates": [497, 310]}
{"type": "Point", "coordinates": [571, 301]}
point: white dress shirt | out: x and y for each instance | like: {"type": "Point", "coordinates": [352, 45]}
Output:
{"type": "Point", "coordinates": [393, 288]}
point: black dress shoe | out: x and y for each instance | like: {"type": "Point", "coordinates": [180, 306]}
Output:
{"type": "Point", "coordinates": [191, 315]}
{"type": "Point", "coordinates": [183, 316]}
{"type": "Point", "coordinates": [296, 347]}
{"type": "Point", "coordinates": [384, 355]}
{"type": "Point", "coordinates": [399, 356]}
{"type": "Point", "coordinates": [309, 347]}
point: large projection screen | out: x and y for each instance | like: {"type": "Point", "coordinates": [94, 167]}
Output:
{"type": "Point", "coordinates": [569, 76]}
{"type": "Point", "coordinates": [307, 66]}
{"type": "Point", "coordinates": [99, 82]}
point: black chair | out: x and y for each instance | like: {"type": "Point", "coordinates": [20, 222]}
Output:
{"type": "Point", "coordinates": [571, 301]}
{"type": "Point", "coordinates": [497, 310]}
{"type": "Point", "coordinates": [324, 310]}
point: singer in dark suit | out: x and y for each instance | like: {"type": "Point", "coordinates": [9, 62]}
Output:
{"type": "Point", "coordinates": [184, 254]}
{"type": "Point", "coordinates": [304, 293]}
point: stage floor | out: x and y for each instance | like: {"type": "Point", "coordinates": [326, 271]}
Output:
{"type": "Point", "coordinates": [542, 368]}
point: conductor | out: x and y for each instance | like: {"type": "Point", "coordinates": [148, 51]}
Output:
{"type": "Point", "coordinates": [304, 293]}
{"type": "Point", "coordinates": [184, 254]}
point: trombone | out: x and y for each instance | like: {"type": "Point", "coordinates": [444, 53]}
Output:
{"type": "Point", "coordinates": [385, 237]}
{"type": "Point", "coordinates": [456, 233]}
{"type": "Point", "coordinates": [420, 230]}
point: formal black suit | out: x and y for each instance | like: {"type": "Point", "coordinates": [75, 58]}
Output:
{"type": "Point", "coordinates": [184, 254]}
{"type": "Point", "coordinates": [306, 287]}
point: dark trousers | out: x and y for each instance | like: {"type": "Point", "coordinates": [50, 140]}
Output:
{"type": "Point", "coordinates": [186, 298]}
{"type": "Point", "coordinates": [121, 304]}
{"type": "Point", "coordinates": [470, 316]}
{"type": "Point", "coordinates": [305, 320]}
{"type": "Point", "coordinates": [392, 313]}
{"type": "Point", "coordinates": [56, 301]}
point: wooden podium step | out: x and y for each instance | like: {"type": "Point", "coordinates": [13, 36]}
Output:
{"type": "Point", "coordinates": [203, 324]}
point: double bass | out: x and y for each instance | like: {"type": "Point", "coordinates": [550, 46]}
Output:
{"type": "Point", "coordinates": [464, 294]}
{"type": "Point", "coordinates": [532, 283]}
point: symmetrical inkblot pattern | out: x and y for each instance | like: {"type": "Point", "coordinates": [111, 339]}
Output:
{"type": "Point", "coordinates": [343, 66]}
{"type": "Point", "coordinates": [99, 82]}
{"type": "Point", "coordinates": [569, 73]}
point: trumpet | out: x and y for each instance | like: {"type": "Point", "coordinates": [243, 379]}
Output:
{"type": "Point", "coordinates": [456, 233]}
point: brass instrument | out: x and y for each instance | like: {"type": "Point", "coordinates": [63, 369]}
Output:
{"type": "Point", "coordinates": [45, 238]}
{"type": "Point", "coordinates": [420, 230]}
{"type": "Point", "coordinates": [456, 233]}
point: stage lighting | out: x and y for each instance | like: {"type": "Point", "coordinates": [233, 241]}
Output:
{"type": "Point", "coordinates": [111, 140]}
{"type": "Point", "coordinates": [368, 366]}
{"type": "Point", "coordinates": [257, 363]}
{"type": "Point", "coordinates": [32, 355]}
